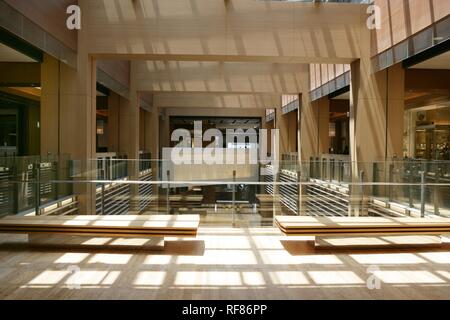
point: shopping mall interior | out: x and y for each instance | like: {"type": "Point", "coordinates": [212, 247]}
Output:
{"type": "Point", "coordinates": [340, 110]}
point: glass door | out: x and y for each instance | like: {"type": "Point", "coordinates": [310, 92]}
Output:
{"type": "Point", "coordinates": [8, 133]}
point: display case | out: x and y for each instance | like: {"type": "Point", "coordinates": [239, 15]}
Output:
{"type": "Point", "coordinates": [433, 142]}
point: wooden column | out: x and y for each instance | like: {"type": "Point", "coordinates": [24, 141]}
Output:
{"type": "Point", "coordinates": [129, 135]}
{"type": "Point", "coordinates": [78, 119]}
{"type": "Point", "coordinates": [396, 111]}
{"type": "Point", "coordinates": [308, 128]}
{"type": "Point", "coordinates": [113, 122]}
{"type": "Point", "coordinates": [49, 122]}
{"type": "Point", "coordinates": [292, 130]}
{"type": "Point", "coordinates": [151, 144]}
{"type": "Point", "coordinates": [78, 127]}
{"type": "Point", "coordinates": [282, 124]}
{"type": "Point", "coordinates": [151, 133]}
{"type": "Point", "coordinates": [142, 115]}
{"type": "Point", "coordinates": [308, 140]}
{"type": "Point", "coordinates": [376, 116]}
{"type": "Point", "coordinates": [323, 125]}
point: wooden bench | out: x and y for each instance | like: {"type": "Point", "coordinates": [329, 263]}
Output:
{"type": "Point", "coordinates": [371, 231]}
{"type": "Point", "coordinates": [151, 227]}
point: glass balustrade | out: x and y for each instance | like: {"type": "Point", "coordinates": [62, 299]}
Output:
{"type": "Point", "coordinates": [229, 194]}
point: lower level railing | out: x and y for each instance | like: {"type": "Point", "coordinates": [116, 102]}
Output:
{"type": "Point", "coordinates": [406, 188]}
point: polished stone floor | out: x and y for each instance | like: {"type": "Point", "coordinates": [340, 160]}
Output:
{"type": "Point", "coordinates": [222, 263]}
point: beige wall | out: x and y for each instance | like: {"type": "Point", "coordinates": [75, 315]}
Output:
{"type": "Point", "coordinates": [212, 112]}
{"type": "Point", "coordinates": [212, 100]}
{"type": "Point", "coordinates": [376, 115]}
{"type": "Point", "coordinates": [239, 30]}
{"type": "Point", "coordinates": [400, 19]}
{"type": "Point", "coordinates": [49, 15]}
{"type": "Point", "coordinates": [118, 70]}
{"type": "Point", "coordinates": [314, 133]}
{"type": "Point", "coordinates": [219, 77]}
{"type": "Point", "coordinates": [281, 29]}
{"type": "Point", "coordinates": [323, 128]}
{"type": "Point", "coordinates": [323, 73]}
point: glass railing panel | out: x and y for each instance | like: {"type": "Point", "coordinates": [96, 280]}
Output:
{"type": "Point", "coordinates": [326, 186]}
{"type": "Point", "coordinates": [27, 181]}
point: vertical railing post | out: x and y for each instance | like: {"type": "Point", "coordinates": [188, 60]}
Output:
{"type": "Point", "coordinates": [361, 190]}
{"type": "Point", "coordinates": [102, 208]}
{"type": "Point", "coordinates": [375, 179]}
{"type": "Point", "coordinates": [299, 193]}
{"type": "Point", "coordinates": [168, 192]}
{"type": "Point", "coordinates": [56, 178]}
{"type": "Point", "coordinates": [330, 169]}
{"type": "Point", "coordinates": [436, 190]}
{"type": "Point", "coordinates": [390, 181]}
{"type": "Point", "coordinates": [233, 201]}
{"type": "Point", "coordinates": [410, 187]}
{"type": "Point", "coordinates": [350, 190]}
{"type": "Point", "coordinates": [318, 169]}
{"type": "Point", "coordinates": [104, 168]}
{"type": "Point", "coordinates": [422, 194]}
{"type": "Point", "coordinates": [274, 191]}
{"type": "Point", "coordinates": [321, 168]}
{"type": "Point", "coordinates": [38, 189]}
{"type": "Point", "coordinates": [16, 182]}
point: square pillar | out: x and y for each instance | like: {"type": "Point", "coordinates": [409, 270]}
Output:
{"type": "Point", "coordinates": [282, 124]}
{"type": "Point", "coordinates": [314, 128]}
{"type": "Point", "coordinates": [396, 111]}
{"type": "Point", "coordinates": [309, 133]}
{"type": "Point", "coordinates": [151, 136]}
{"type": "Point", "coordinates": [113, 122]}
{"type": "Point", "coordinates": [129, 143]}
{"type": "Point", "coordinates": [129, 136]}
{"type": "Point", "coordinates": [77, 116]}
{"type": "Point", "coordinates": [151, 144]}
{"type": "Point", "coordinates": [376, 118]}
{"type": "Point", "coordinates": [376, 115]}
{"type": "Point", "coordinates": [78, 127]}
{"type": "Point", "coordinates": [49, 109]}
{"type": "Point", "coordinates": [323, 125]}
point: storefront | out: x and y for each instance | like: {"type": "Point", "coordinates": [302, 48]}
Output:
{"type": "Point", "coordinates": [19, 126]}
{"type": "Point", "coordinates": [427, 132]}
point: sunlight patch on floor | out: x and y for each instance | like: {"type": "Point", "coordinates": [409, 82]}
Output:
{"type": "Point", "coordinates": [407, 277]}
{"type": "Point", "coordinates": [335, 277]}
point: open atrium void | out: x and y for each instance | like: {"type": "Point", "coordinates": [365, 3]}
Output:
{"type": "Point", "coordinates": [225, 150]}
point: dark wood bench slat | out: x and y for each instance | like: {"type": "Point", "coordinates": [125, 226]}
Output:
{"type": "Point", "coordinates": [123, 226]}
{"type": "Point", "coordinates": [320, 226]}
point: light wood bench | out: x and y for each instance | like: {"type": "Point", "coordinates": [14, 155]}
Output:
{"type": "Point", "coordinates": [377, 231]}
{"type": "Point", "coordinates": [151, 227]}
